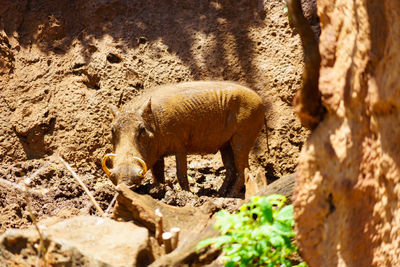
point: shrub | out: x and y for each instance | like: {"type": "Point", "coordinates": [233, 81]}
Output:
{"type": "Point", "coordinates": [260, 234]}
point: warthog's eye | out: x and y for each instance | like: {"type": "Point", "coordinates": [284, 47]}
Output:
{"type": "Point", "coordinates": [141, 130]}
{"type": "Point", "coordinates": [113, 136]}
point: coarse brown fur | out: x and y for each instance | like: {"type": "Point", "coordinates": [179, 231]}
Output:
{"type": "Point", "coordinates": [187, 118]}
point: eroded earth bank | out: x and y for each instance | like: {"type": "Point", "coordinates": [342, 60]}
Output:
{"type": "Point", "coordinates": [62, 63]}
{"type": "Point", "coordinates": [347, 190]}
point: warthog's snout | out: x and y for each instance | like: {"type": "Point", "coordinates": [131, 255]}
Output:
{"type": "Point", "coordinates": [127, 174]}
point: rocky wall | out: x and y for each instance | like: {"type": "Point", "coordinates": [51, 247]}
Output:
{"type": "Point", "coordinates": [347, 193]}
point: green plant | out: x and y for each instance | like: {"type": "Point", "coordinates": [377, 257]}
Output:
{"type": "Point", "coordinates": [260, 234]}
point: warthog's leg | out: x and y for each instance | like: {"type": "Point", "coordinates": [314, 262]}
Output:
{"type": "Point", "coordinates": [241, 162]}
{"type": "Point", "coordinates": [158, 171]}
{"type": "Point", "coordinates": [229, 164]}
{"type": "Point", "coordinates": [241, 146]}
{"type": "Point", "coordinates": [181, 171]}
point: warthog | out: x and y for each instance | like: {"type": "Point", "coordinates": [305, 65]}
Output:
{"type": "Point", "coordinates": [181, 119]}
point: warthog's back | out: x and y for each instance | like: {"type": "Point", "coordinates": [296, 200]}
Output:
{"type": "Point", "coordinates": [199, 117]}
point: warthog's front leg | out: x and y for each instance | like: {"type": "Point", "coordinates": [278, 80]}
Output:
{"type": "Point", "coordinates": [158, 171]}
{"type": "Point", "coordinates": [181, 171]}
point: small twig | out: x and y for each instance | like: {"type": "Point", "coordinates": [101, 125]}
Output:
{"type": "Point", "coordinates": [21, 188]}
{"type": "Point", "coordinates": [96, 205]}
{"type": "Point", "coordinates": [120, 99]}
{"type": "Point", "coordinates": [147, 78]}
{"type": "Point", "coordinates": [167, 242]}
{"type": "Point", "coordinates": [49, 250]}
{"type": "Point", "coordinates": [159, 226]}
{"type": "Point", "coordinates": [27, 193]}
{"type": "Point", "coordinates": [41, 249]}
{"type": "Point", "coordinates": [28, 180]}
{"type": "Point", "coordinates": [111, 205]}
{"type": "Point", "coordinates": [175, 237]}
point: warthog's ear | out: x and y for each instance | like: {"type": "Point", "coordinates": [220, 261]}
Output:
{"type": "Point", "coordinates": [114, 110]}
{"type": "Point", "coordinates": [147, 115]}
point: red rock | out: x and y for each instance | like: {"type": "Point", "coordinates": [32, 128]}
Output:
{"type": "Point", "coordinates": [346, 197]}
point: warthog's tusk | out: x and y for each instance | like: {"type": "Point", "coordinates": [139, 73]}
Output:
{"type": "Point", "coordinates": [107, 171]}
{"type": "Point", "coordinates": [144, 166]}
{"type": "Point", "coordinates": [103, 163]}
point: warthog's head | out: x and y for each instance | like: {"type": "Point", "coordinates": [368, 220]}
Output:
{"type": "Point", "coordinates": [132, 138]}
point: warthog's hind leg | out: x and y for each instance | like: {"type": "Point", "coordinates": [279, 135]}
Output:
{"type": "Point", "coordinates": [229, 164]}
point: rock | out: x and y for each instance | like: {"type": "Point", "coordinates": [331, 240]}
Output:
{"type": "Point", "coordinates": [255, 183]}
{"type": "Point", "coordinates": [347, 195]}
{"type": "Point", "coordinates": [195, 223]}
{"type": "Point", "coordinates": [283, 186]}
{"type": "Point", "coordinates": [82, 240]}
{"type": "Point", "coordinates": [141, 209]}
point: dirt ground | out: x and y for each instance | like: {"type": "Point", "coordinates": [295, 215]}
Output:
{"type": "Point", "coordinates": [62, 63]}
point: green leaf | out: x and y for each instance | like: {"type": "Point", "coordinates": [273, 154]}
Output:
{"type": "Point", "coordinates": [276, 240]}
{"type": "Point", "coordinates": [217, 241]}
{"type": "Point", "coordinates": [222, 215]}
{"type": "Point", "coordinates": [205, 243]}
{"type": "Point", "coordinates": [266, 209]}
{"type": "Point", "coordinates": [222, 240]}
{"type": "Point", "coordinates": [262, 246]}
{"type": "Point", "coordinates": [260, 234]}
{"type": "Point", "coordinates": [234, 248]}
{"type": "Point", "coordinates": [276, 199]}
{"type": "Point", "coordinates": [302, 264]}
{"type": "Point", "coordinates": [285, 10]}
{"type": "Point", "coordinates": [282, 229]}
{"type": "Point", "coordinates": [286, 213]}
{"type": "Point", "coordinates": [225, 221]}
